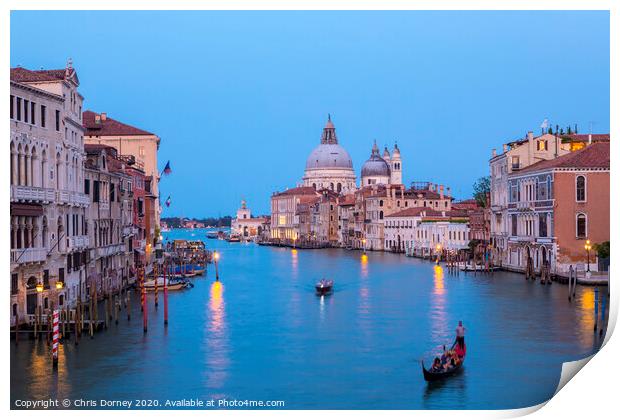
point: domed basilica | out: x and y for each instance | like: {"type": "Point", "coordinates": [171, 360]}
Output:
{"type": "Point", "coordinates": [329, 165]}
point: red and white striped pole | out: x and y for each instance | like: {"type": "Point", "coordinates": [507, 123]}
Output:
{"type": "Point", "coordinates": [55, 339]}
{"type": "Point", "coordinates": [165, 269]}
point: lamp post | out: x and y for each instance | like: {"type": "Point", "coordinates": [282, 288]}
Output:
{"type": "Point", "coordinates": [364, 245]}
{"type": "Point", "coordinates": [216, 257]}
{"type": "Point", "coordinates": [438, 252]}
{"type": "Point", "coordinates": [588, 247]}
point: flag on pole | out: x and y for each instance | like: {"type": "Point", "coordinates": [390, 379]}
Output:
{"type": "Point", "coordinates": [168, 201]}
{"type": "Point", "coordinates": [167, 169]}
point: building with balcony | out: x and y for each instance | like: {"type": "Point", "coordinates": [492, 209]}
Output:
{"type": "Point", "coordinates": [47, 201]}
{"type": "Point", "coordinates": [109, 219]}
{"type": "Point", "coordinates": [555, 206]}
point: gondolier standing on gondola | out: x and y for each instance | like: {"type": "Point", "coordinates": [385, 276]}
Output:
{"type": "Point", "coordinates": [460, 334]}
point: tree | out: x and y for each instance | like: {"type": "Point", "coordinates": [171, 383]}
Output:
{"type": "Point", "coordinates": [482, 189]}
{"type": "Point", "coordinates": [602, 249]}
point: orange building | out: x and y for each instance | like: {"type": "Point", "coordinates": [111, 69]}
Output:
{"type": "Point", "coordinates": [555, 206]}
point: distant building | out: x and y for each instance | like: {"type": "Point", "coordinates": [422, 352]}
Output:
{"type": "Point", "coordinates": [246, 225]}
{"type": "Point", "coordinates": [284, 216]}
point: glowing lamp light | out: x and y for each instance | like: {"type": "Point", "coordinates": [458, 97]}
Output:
{"type": "Point", "coordinates": [39, 287]}
{"type": "Point", "coordinates": [216, 255]}
{"type": "Point", "coordinates": [60, 284]}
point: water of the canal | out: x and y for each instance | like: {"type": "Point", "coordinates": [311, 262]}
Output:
{"type": "Point", "coordinates": [263, 334]}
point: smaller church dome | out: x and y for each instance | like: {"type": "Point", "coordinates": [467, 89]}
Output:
{"type": "Point", "coordinates": [375, 165]}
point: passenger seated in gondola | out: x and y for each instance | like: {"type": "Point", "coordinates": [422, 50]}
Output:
{"type": "Point", "coordinates": [436, 365]}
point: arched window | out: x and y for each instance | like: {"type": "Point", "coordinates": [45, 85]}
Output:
{"type": "Point", "coordinates": [331, 186]}
{"type": "Point", "coordinates": [582, 226]}
{"type": "Point", "coordinates": [381, 215]}
{"type": "Point", "coordinates": [380, 203]}
{"type": "Point", "coordinates": [314, 185]}
{"type": "Point", "coordinates": [581, 188]}
{"type": "Point", "coordinates": [339, 187]}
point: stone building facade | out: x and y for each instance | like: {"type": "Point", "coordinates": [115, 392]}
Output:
{"type": "Point", "coordinates": [47, 201]}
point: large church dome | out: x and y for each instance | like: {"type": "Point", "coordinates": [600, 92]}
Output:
{"type": "Point", "coordinates": [375, 165]}
{"type": "Point", "coordinates": [329, 165]}
{"type": "Point", "coordinates": [329, 154]}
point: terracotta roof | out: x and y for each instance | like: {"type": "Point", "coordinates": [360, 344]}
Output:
{"type": "Point", "coordinates": [298, 191]}
{"type": "Point", "coordinates": [22, 75]}
{"type": "Point", "coordinates": [347, 200]}
{"type": "Point", "coordinates": [109, 127]}
{"type": "Point", "coordinates": [586, 137]}
{"type": "Point", "coordinates": [594, 156]}
{"type": "Point", "coordinates": [415, 211]}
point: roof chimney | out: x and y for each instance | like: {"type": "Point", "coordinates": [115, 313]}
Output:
{"type": "Point", "coordinates": [97, 119]}
{"type": "Point", "coordinates": [590, 138]}
{"type": "Point", "coordinates": [104, 116]}
{"type": "Point", "coordinates": [494, 152]}
{"type": "Point", "coordinates": [441, 192]}
{"type": "Point", "coordinates": [530, 135]}
{"type": "Point", "coordinates": [505, 148]}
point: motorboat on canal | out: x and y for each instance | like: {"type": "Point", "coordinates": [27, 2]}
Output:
{"type": "Point", "coordinates": [431, 375]}
{"type": "Point", "coordinates": [324, 286]}
{"type": "Point", "coordinates": [212, 235]}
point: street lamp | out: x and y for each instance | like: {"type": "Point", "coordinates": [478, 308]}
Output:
{"type": "Point", "coordinates": [216, 257]}
{"type": "Point", "coordinates": [364, 244]}
{"type": "Point", "coordinates": [59, 284]}
{"type": "Point", "coordinates": [438, 251]}
{"type": "Point", "coordinates": [39, 287]}
{"type": "Point", "coordinates": [588, 247]}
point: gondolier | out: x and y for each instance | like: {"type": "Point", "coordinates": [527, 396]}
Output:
{"type": "Point", "coordinates": [460, 334]}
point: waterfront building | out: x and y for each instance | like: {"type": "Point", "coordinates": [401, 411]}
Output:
{"type": "Point", "coordinates": [440, 233]}
{"type": "Point", "coordinates": [284, 216]}
{"type": "Point", "coordinates": [346, 223]}
{"type": "Point", "coordinates": [135, 170]}
{"type": "Point", "coordinates": [326, 218]}
{"type": "Point", "coordinates": [516, 155]}
{"type": "Point", "coordinates": [109, 220]}
{"type": "Point", "coordinates": [47, 237]}
{"type": "Point", "coordinates": [245, 224]}
{"type": "Point", "coordinates": [555, 206]}
{"type": "Point", "coordinates": [329, 164]}
{"type": "Point", "coordinates": [129, 140]}
{"type": "Point", "coordinates": [401, 228]}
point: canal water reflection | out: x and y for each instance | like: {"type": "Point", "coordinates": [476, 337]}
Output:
{"type": "Point", "coordinates": [263, 334]}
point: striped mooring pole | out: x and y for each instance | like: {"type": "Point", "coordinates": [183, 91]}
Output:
{"type": "Point", "coordinates": [55, 339]}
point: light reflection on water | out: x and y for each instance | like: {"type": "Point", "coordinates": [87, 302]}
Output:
{"type": "Point", "coordinates": [262, 333]}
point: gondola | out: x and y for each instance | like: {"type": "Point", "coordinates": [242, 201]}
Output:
{"type": "Point", "coordinates": [434, 376]}
{"type": "Point", "coordinates": [324, 287]}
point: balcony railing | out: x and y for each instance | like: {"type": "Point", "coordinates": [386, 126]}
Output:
{"type": "Point", "coordinates": [28, 255]}
{"type": "Point", "coordinates": [31, 194]}
{"type": "Point", "coordinates": [80, 241]}
{"type": "Point", "coordinates": [110, 250]}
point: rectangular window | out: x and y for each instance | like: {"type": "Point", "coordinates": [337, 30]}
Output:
{"type": "Point", "coordinates": [57, 120]}
{"type": "Point", "coordinates": [33, 119]}
{"type": "Point", "coordinates": [112, 192]}
{"type": "Point", "coordinates": [43, 109]}
{"type": "Point", "coordinates": [514, 224]}
{"type": "Point", "coordinates": [542, 225]}
{"type": "Point", "coordinates": [11, 106]}
{"type": "Point", "coordinates": [95, 191]}
{"type": "Point", "coordinates": [87, 186]}
{"type": "Point", "coordinates": [14, 282]}
{"type": "Point", "coordinates": [46, 279]}
{"type": "Point", "coordinates": [18, 107]}
{"type": "Point", "coordinates": [25, 111]}
{"type": "Point", "coordinates": [61, 274]}
{"type": "Point", "coordinates": [515, 162]}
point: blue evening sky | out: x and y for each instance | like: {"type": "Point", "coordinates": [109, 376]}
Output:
{"type": "Point", "coordinates": [239, 99]}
